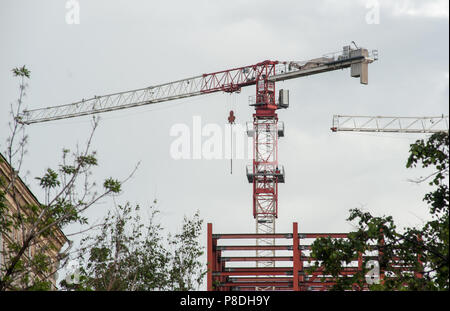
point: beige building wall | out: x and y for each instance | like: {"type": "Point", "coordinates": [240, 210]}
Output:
{"type": "Point", "coordinates": [25, 197]}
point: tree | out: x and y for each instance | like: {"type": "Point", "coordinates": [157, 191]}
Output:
{"type": "Point", "coordinates": [434, 153]}
{"type": "Point", "coordinates": [423, 249]}
{"type": "Point", "coordinates": [128, 254]}
{"type": "Point", "coordinates": [186, 272]}
{"type": "Point", "coordinates": [28, 230]}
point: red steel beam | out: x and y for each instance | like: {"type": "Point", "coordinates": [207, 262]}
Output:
{"type": "Point", "coordinates": [259, 269]}
{"type": "Point", "coordinates": [296, 255]}
{"type": "Point", "coordinates": [256, 279]}
{"type": "Point", "coordinates": [211, 260]}
{"type": "Point", "coordinates": [323, 235]}
{"type": "Point", "coordinates": [265, 258]}
{"type": "Point", "coordinates": [257, 284]}
{"type": "Point", "coordinates": [253, 247]}
{"type": "Point", "coordinates": [419, 274]}
{"type": "Point", "coordinates": [248, 273]}
{"type": "Point", "coordinates": [253, 236]}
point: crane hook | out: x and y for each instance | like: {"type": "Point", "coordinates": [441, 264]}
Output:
{"type": "Point", "coordinates": [231, 119]}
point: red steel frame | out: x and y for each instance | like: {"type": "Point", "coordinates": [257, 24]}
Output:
{"type": "Point", "coordinates": [221, 277]}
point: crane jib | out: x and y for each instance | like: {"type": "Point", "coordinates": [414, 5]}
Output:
{"type": "Point", "coordinates": [229, 81]}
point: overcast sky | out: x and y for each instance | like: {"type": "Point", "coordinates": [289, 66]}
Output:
{"type": "Point", "coordinates": [124, 45]}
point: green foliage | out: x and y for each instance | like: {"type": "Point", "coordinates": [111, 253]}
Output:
{"type": "Point", "coordinates": [129, 254]}
{"type": "Point", "coordinates": [184, 261]}
{"type": "Point", "coordinates": [21, 72]}
{"type": "Point", "coordinates": [88, 160]}
{"type": "Point", "coordinates": [49, 180]}
{"type": "Point", "coordinates": [33, 229]}
{"type": "Point", "coordinates": [424, 249]}
{"type": "Point", "coordinates": [5, 222]}
{"type": "Point", "coordinates": [112, 185]}
{"type": "Point", "coordinates": [63, 208]}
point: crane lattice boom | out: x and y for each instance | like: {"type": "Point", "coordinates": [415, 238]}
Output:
{"type": "Point", "coordinates": [231, 80]}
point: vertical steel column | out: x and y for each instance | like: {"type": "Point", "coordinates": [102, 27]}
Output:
{"type": "Point", "coordinates": [381, 259]}
{"type": "Point", "coordinates": [419, 274]}
{"type": "Point", "coordinates": [301, 276]}
{"type": "Point", "coordinates": [296, 257]}
{"type": "Point", "coordinates": [211, 259]}
{"type": "Point", "coordinates": [360, 269]}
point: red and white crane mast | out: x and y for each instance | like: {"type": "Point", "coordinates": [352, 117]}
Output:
{"type": "Point", "coordinates": [265, 169]}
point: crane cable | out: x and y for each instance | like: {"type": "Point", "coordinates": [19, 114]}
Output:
{"type": "Point", "coordinates": [231, 119]}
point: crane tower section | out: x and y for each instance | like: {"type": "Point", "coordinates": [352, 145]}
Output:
{"type": "Point", "coordinates": [265, 173]}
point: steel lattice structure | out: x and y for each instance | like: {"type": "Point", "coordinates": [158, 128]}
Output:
{"type": "Point", "coordinates": [384, 124]}
{"type": "Point", "coordinates": [231, 80]}
{"type": "Point", "coordinates": [265, 167]}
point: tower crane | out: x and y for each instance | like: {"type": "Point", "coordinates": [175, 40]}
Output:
{"type": "Point", "coordinates": [265, 173]}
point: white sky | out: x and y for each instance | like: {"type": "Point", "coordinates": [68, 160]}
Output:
{"type": "Point", "coordinates": [123, 45]}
